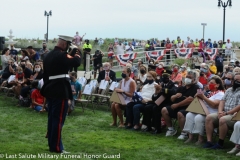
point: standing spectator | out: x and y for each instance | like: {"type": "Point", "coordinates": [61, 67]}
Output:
{"type": "Point", "coordinates": [179, 44]}
{"type": "Point", "coordinates": [43, 52]}
{"type": "Point", "coordinates": [201, 46]}
{"type": "Point", "coordinates": [87, 47]}
{"type": "Point", "coordinates": [191, 45]}
{"type": "Point", "coordinates": [100, 42]}
{"type": "Point", "coordinates": [187, 42]}
{"type": "Point", "coordinates": [228, 49]}
{"type": "Point", "coordinates": [219, 62]}
{"type": "Point", "coordinates": [208, 44]}
{"type": "Point", "coordinates": [168, 47]}
{"type": "Point", "coordinates": [78, 39]}
{"type": "Point", "coordinates": [5, 58]}
{"type": "Point", "coordinates": [129, 48]}
{"type": "Point", "coordinates": [13, 52]}
{"type": "Point", "coordinates": [96, 41]}
{"type": "Point", "coordinates": [97, 62]}
{"type": "Point", "coordinates": [110, 53]}
{"type": "Point", "coordinates": [215, 45]}
{"type": "Point", "coordinates": [116, 41]}
{"type": "Point", "coordinates": [196, 43]}
{"type": "Point", "coordinates": [119, 48]}
{"type": "Point", "coordinates": [133, 43]}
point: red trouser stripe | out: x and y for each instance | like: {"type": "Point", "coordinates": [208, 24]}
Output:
{"type": "Point", "coordinates": [60, 126]}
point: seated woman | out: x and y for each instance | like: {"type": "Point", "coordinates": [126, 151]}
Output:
{"type": "Point", "coordinates": [142, 76]}
{"type": "Point", "coordinates": [195, 122]}
{"type": "Point", "coordinates": [142, 99]}
{"type": "Point", "coordinates": [38, 101]}
{"type": "Point", "coordinates": [36, 75]}
{"type": "Point", "coordinates": [127, 88]}
{"type": "Point", "coordinates": [235, 138]}
{"type": "Point", "coordinates": [176, 77]}
{"type": "Point", "coordinates": [19, 80]}
{"type": "Point", "coordinates": [24, 55]}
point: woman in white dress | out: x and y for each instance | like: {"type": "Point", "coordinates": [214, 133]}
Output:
{"type": "Point", "coordinates": [127, 88]}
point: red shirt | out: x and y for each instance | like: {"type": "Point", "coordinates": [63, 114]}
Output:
{"type": "Point", "coordinates": [168, 46]}
{"type": "Point", "coordinates": [19, 76]}
{"type": "Point", "coordinates": [37, 97]}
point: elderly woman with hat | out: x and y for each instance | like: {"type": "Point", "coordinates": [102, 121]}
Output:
{"type": "Point", "coordinates": [140, 100]}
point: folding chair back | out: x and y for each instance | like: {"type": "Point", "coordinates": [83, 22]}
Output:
{"type": "Point", "coordinates": [82, 81]}
{"type": "Point", "coordinates": [114, 85]}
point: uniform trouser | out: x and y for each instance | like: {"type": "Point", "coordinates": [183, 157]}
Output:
{"type": "Point", "coordinates": [152, 116]}
{"type": "Point", "coordinates": [57, 110]}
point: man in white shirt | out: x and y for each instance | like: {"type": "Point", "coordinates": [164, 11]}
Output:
{"type": "Point", "coordinates": [228, 48]}
{"type": "Point", "coordinates": [119, 48]}
{"type": "Point", "coordinates": [129, 48]}
{"type": "Point", "coordinates": [187, 42]}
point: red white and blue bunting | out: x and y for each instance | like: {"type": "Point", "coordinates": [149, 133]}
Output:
{"type": "Point", "coordinates": [156, 55]}
{"type": "Point", "coordinates": [183, 52]}
{"type": "Point", "coordinates": [124, 58]}
{"type": "Point", "coordinates": [212, 53]}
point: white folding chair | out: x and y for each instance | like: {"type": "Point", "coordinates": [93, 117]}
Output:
{"type": "Point", "coordinates": [82, 81]}
{"type": "Point", "coordinates": [88, 90]}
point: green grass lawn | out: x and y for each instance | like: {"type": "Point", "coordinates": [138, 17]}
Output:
{"type": "Point", "coordinates": [23, 131]}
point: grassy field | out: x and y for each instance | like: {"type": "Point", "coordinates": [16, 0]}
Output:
{"type": "Point", "coordinates": [23, 131]}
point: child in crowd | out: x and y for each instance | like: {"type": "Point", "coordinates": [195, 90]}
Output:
{"type": "Point", "coordinates": [38, 101]}
{"type": "Point", "coordinates": [76, 91]}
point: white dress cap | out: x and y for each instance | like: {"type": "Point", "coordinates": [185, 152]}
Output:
{"type": "Point", "coordinates": [66, 38]}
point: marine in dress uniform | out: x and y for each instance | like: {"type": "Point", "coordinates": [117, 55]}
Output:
{"type": "Point", "coordinates": [57, 89]}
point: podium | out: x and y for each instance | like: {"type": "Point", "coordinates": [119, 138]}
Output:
{"type": "Point", "coordinates": [118, 98]}
{"type": "Point", "coordinates": [236, 117]}
{"type": "Point", "coordinates": [198, 106]}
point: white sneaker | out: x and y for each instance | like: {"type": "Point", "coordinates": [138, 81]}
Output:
{"type": "Point", "coordinates": [238, 154]}
{"type": "Point", "coordinates": [171, 133]}
{"type": "Point", "coordinates": [182, 137]}
{"type": "Point", "coordinates": [143, 127]}
{"type": "Point", "coordinates": [65, 152]}
{"type": "Point", "coordinates": [234, 150]}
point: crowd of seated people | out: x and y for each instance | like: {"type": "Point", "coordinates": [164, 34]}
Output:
{"type": "Point", "coordinates": [160, 95]}
{"type": "Point", "coordinates": [23, 78]}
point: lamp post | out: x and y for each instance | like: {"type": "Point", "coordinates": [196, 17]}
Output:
{"type": "Point", "coordinates": [203, 24]}
{"type": "Point", "coordinates": [47, 14]}
{"type": "Point", "coordinates": [224, 5]}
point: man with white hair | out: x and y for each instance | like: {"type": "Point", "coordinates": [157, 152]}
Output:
{"type": "Point", "coordinates": [107, 74]}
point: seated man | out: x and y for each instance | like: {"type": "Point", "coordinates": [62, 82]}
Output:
{"type": "Point", "coordinates": [180, 102]}
{"type": "Point", "coordinates": [222, 119]}
{"type": "Point", "coordinates": [107, 74]}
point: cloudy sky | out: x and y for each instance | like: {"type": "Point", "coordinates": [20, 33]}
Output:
{"type": "Point", "coordinates": [140, 19]}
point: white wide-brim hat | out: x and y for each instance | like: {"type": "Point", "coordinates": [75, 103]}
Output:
{"type": "Point", "coordinates": [66, 38]}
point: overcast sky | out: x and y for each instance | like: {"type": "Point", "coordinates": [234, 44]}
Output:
{"type": "Point", "coordinates": [140, 19]}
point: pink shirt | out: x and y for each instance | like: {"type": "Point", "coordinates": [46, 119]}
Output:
{"type": "Point", "coordinates": [77, 39]}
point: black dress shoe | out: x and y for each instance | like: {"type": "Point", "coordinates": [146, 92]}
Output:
{"type": "Point", "coordinates": [157, 131]}
{"type": "Point", "coordinates": [147, 129]}
{"type": "Point", "coordinates": [129, 127]}
{"type": "Point", "coordinates": [136, 129]}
